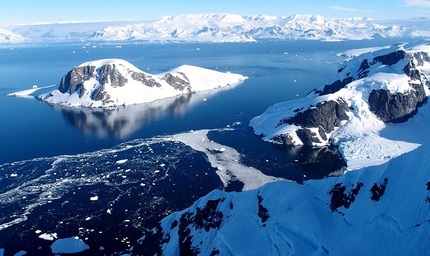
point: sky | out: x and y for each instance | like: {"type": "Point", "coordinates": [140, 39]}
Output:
{"type": "Point", "coordinates": [12, 11]}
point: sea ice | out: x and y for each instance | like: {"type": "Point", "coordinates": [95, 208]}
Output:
{"type": "Point", "coordinates": [69, 245]}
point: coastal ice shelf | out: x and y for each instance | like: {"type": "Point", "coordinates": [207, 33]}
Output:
{"type": "Point", "coordinates": [116, 82]}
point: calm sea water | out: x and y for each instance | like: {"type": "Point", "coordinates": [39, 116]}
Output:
{"type": "Point", "coordinates": [108, 176]}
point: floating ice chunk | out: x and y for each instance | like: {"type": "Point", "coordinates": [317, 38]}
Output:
{"type": "Point", "coordinates": [69, 245]}
{"type": "Point", "coordinates": [48, 237]}
{"type": "Point", "coordinates": [121, 161]}
{"type": "Point", "coordinates": [94, 198]}
{"type": "Point", "coordinates": [21, 253]}
{"type": "Point", "coordinates": [14, 175]}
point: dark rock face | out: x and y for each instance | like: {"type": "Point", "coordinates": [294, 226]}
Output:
{"type": "Point", "coordinates": [204, 219]}
{"type": "Point", "coordinates": [396, 107]}
{"type": "Point", "coordinates": [339, 198]}
{"type": "Point", "coordinates": [336, 86]}
{"type": "Point", "coordinates": [378, 190]}
{"type": "Point", "coordinates": [73, 80]}
{"type": "Point", "coordinates": [109, 74]}
{"type": "Point", "coordinates": [145, 79]}
{"type": "Point", "coordinates": [392, 58]}
{"type": "Point", "coordinates": [325, 116]}
{"type": "Point", "coordinates": [178, 83]}
{"type": "Point", "coordinates": [263, 213]}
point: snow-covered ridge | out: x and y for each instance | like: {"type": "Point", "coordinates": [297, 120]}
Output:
{"type": "Point", "coordinates": [357, 110]}
{"type": "Point", "coordinates": [115, 82]}
{"type": "Point", "coordinates": [222, 27]}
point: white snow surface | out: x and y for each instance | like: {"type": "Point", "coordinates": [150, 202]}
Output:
{"type": "Point", "coordinates": [363, 140]}
{"type": "Point", "coordinates": [69, 245]}
{"type": "Point", "coordinates": [134, 91]}
{"type": "Point", "coordinates": [218, 27]}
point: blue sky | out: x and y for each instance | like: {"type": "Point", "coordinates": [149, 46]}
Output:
{"type": "Point", "coordinates": [85, 10]}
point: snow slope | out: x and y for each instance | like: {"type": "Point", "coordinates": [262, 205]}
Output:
{"type": "Point", "coordinates": [115, 82]}
{"type": "Point", "coordinates": [380, 210]}
{"type": "Point", "coordinates": [362, 137]}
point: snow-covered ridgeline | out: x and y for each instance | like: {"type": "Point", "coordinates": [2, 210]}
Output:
{"type": "Point", "coordinates": [353, 112]}
{"type": "Point", "coordinates": [115, 82]}
{"type": "Point", "coordinates": [233, 27]}
{"type": "Point", "coordinates": [220, 27]}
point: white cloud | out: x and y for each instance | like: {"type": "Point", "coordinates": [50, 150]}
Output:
{"type": "Point", "coordinates": [341, 8]}
{"type": "Point", "coordinates": [420, 3]}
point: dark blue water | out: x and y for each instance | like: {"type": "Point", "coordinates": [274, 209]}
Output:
{"type": "Point", "coordinates": [47, 177]}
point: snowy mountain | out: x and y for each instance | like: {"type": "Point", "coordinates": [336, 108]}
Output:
{"type": "Point", "coordinates": [10, 37]}
{"type": "Point", "coordinates": [221, 27]}
{"type": "Point", "coordinates": [382, 208]}
{"type": "Point", "coordinates": [115, 82]}
{"type": "Point", "coordinates": [357, 110]}
{"type": "Point", "coordinates": [231, 27]}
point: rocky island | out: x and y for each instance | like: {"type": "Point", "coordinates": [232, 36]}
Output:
{"type": "Point", "coordinates": [114, 82]}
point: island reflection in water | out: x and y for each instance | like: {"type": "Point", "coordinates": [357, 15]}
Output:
{"type": "Point", "coordinates": [122, 121]}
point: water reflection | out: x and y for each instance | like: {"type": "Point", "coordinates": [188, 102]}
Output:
{"type": "Point", "coordinates": [121, 122]}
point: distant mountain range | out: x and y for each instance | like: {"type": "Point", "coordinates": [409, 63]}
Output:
{"type": "Point", "coordinates": [218, 28]}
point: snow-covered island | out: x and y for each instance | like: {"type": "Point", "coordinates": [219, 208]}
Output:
{"type": "Point", "coordinates": [357, 111]}
{"type": "Point", "coordinates": [376, 112]}
{"type": "Point", "coordinates": [116, 82]}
